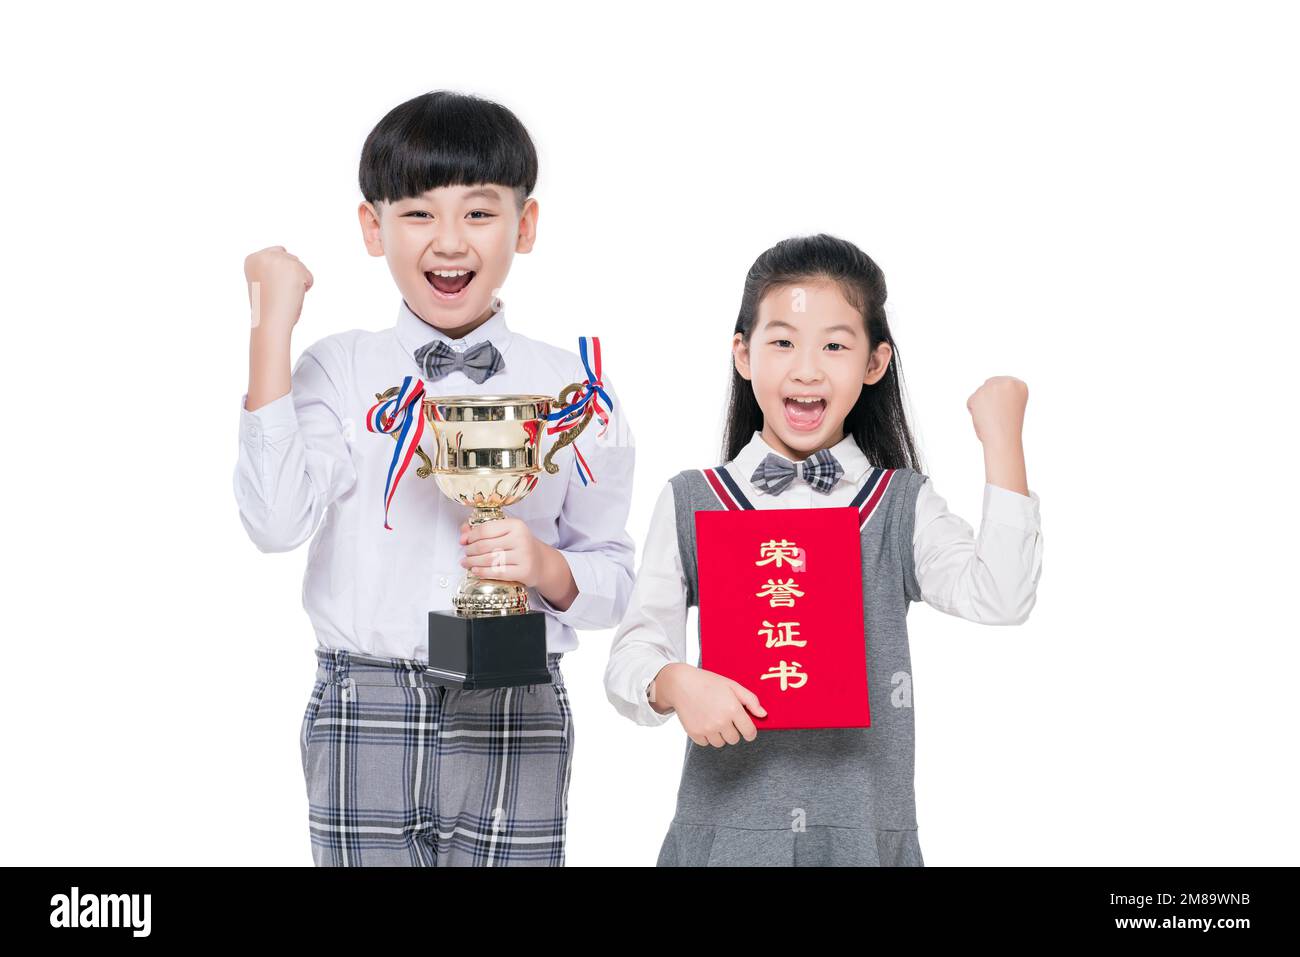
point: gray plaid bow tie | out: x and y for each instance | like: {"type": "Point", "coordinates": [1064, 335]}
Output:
{"type": "Point", "coordinates": [774, 474]}
{"type": "Point", "coordinates": [480, 361]}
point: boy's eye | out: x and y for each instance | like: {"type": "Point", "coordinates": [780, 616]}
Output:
{"type": "Point", "coordinates": [778, 342]}
{"type": "Point", "coordinates": [422, 214]}
{"type": "Point", "coordinates": [837, 346]}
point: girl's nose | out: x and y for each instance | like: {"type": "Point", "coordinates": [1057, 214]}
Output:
{"type": "Point", "coordinates": [806, 369]}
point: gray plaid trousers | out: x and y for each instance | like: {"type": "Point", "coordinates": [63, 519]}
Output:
{"type": "Point", "coordinates": [402, 772]}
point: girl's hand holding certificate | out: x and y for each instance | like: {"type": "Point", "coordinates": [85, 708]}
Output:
{"type": "Point", "coordinates": [711, 708]}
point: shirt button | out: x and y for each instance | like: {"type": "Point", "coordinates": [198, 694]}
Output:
{"type": "Point", "coordinates": [251, 430]}
{"type": "Point", "coordinates": [442, 580]}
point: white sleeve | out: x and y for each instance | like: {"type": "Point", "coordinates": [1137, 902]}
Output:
{"type": "Point", "coordinates": [592, 525]}
{"type": "Point", "coordinates": [653, 631]}
{"type": "Point", "coordinates": [293, 459]}
{"type": "Point", "coordinates": [991, 579]}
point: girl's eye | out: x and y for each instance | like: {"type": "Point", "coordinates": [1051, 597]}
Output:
{"type": "Point", "coordinates": [838, 346]}
{"type": "Point", "coordinates": [780, 341]}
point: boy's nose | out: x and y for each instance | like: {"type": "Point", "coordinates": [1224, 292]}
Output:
{"type": "Point", "coordinates": [448, 240]}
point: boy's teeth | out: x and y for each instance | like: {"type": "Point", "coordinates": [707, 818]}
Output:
{"type": "Point", "coordinates": [450, 282]}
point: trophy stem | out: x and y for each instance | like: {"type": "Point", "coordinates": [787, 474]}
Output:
{"type": "Point", "coordinates": [485, 513]}
{"type": "Point", "coordinates": [479, 597]}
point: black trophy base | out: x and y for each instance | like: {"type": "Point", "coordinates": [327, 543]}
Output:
{"type": "Point", "coordinates": [502, 651]}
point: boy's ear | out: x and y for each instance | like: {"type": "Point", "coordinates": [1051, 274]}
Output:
{"type": "Point", "coordinates": [370, 233]}
{"type": "Point", "coordinates": [527, 227]}
{"type": "Point", "coordinates": [740, 353]}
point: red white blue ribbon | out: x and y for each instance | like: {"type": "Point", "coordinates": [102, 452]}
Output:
{"type": "Point", "coordinates": [588, 396]}
{"type": "Point", "coordinates": [403, 414]}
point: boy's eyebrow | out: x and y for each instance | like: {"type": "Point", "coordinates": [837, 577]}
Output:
{"type": "Point", "coordinates": [838, 327]}
{"type": "Point", "coordinates": [483, 192]}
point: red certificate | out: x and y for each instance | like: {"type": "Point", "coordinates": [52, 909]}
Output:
{"type": "Point", "coordinates": [781, 612]}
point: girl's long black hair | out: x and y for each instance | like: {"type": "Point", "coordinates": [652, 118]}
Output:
{"type": "Point", "coordinates": [877, 421]}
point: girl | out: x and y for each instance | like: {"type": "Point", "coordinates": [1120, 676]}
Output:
{"type": "Point", "coordinates": [816, 419]}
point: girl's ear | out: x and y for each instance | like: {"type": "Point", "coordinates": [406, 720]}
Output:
{"type": "Point", "coordinates": [740, 353]}
{"type": "Point", "coordinates": [878, 364]}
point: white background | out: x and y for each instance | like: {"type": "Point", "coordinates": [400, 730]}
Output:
{"type": "Point", "coordinates": [1100, 199]}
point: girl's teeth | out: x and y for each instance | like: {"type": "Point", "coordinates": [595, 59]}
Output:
{"type": "Point", "coordinates": [804, 413]}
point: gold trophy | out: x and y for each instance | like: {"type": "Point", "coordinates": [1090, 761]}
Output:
{"type": "Point", "coordinates": [487, 457]}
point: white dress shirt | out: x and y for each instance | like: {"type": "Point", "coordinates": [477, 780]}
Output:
{"type": "Point", "coordinates": [307, 459]}
{"type": "Point", "coordinates": [991, 579]}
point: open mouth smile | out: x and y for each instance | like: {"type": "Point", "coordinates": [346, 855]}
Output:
{"type": "Point", "coordinates": [804, 413]}
{"type": "Point", "coordinates": [449, 284]}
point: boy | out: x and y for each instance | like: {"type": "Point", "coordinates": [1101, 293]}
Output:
{"type": "Point", "coordinates": [401, 771]}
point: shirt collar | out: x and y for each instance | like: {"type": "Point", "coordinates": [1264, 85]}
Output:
{"type": "Point", "coordinates": [413, 332]}
{"type": "Point", "coordinates": [846, 451]}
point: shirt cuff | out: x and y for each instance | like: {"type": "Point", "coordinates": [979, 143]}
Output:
{"type": "Point", "coordinates": [273, 421]}
{"type": "Point", "coordinates": [584, 576]}
{"type": "Point", "coordinates": [1005, 507]}
{"type": "Point", "coordinates": [651, 716]}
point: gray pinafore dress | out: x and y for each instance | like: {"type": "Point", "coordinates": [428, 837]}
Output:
{"type": "Point", "coordinates": [823, 796]}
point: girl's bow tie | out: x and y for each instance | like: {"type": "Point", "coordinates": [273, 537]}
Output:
{"type": "Point", "coordinates": [774, 474]}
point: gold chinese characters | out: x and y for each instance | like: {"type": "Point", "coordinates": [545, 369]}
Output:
{"type": "Point", "coordinates": [782, 594]}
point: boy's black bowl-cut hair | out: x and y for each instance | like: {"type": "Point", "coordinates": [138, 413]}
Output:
{"type": "Point", "coordinates": [444, 138]}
